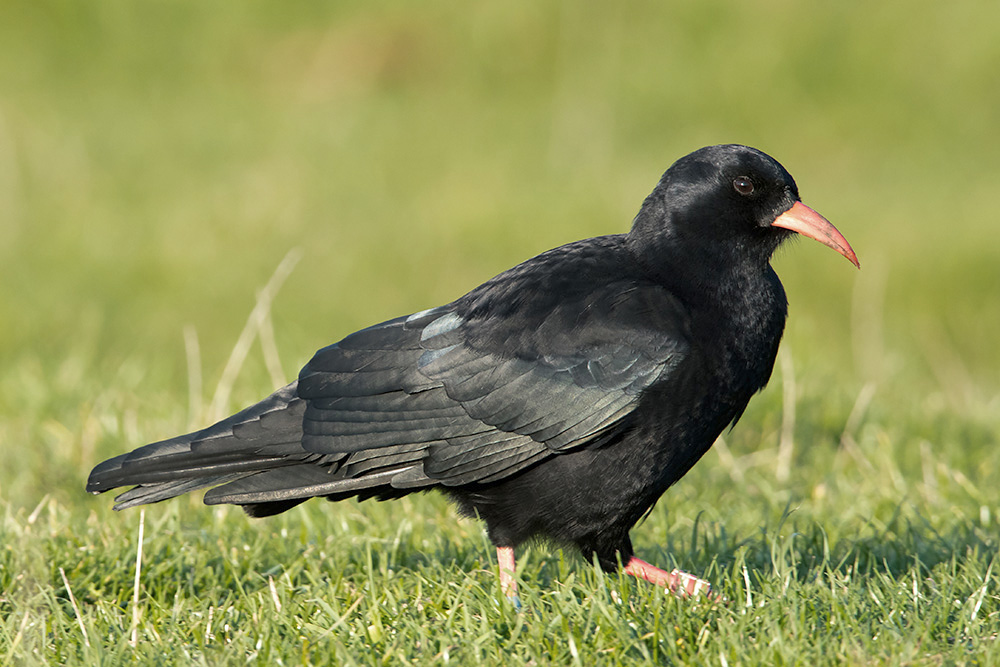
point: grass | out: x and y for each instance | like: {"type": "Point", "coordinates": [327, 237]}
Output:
{"type": "Point", "coordinates": [158, 162]}
{"type": "Point", "coordinates": [883, 556]}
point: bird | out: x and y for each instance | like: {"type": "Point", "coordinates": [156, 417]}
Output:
{"type": "Point", "coordinates": [558, 400]}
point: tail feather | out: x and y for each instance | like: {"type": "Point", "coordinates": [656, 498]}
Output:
{"type": "Point", "coordinates": [154, 493]}
{"type": "Point", "coordinates": [262, 437]}
{"type": "Point", "coordinates": [291, 483]}
{"type": "Point", "coordinates": [255, 459]}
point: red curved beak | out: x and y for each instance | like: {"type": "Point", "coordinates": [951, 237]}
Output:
{"type": "Point", "coordinates": [802, 219]}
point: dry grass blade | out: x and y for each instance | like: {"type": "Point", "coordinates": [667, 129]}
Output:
{"type": "Point", "coordinates": [847, 440]}
{"type": "Point", "coordinates": [76, 609]}
{"type": "Point", "coordinates": [270, 349]}
{"type": "Point", "coordinates": [134, 637]}
{"type": "Point", "coordinates": [258, 316]}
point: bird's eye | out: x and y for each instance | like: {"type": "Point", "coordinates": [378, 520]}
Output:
{"type": "Point", "coordinates": [743, 185]}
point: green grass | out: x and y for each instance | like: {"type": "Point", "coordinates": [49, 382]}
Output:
{"type": "Point", "coordinates": [158, 160]}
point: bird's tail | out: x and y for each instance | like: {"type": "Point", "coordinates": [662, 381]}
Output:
{"type": "Point", "coordinates": [264, 437]}
{"type": "Point", "coordinates": [256, 459]}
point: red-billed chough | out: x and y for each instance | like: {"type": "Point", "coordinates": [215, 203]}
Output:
{"type": "Point", "coordinates": [557, 400]}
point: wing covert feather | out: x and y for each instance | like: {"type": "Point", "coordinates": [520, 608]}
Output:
{"type": "Point", "coordinates": [445, 391]}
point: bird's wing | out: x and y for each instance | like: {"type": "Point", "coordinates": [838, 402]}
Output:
{"type": "Point", "coordinates": [452, 397]}
{"type": "Point", "coordinates": [463, 394]}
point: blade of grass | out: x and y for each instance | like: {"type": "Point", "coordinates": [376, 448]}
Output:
{"type": "Point", "coordinates": [255, 321]}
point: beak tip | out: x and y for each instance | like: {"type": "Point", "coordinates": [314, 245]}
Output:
{"type": "Point", "coordinates": [803, 220]}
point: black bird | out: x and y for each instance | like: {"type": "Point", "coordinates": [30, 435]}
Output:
{"type": "Point", "coordinates": [558, 400]}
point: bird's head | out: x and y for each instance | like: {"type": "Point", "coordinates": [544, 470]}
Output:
{"type": "Point", "coordinates": [727, 203]}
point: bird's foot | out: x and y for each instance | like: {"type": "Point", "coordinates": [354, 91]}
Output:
{"type": "Point", "coordinates": [678, 582]}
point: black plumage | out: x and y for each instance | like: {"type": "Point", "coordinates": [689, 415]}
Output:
{"type": "Point", "coordinates": [559, 399]}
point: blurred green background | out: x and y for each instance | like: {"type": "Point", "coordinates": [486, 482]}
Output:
{"type": "Point", "coordinates": [158, 159]}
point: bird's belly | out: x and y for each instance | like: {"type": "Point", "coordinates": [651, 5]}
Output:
{"type": "Point", "coordinates": [574, 496]}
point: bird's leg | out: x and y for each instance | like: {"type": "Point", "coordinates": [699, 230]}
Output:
{"type": "Point", "coordinates": [505, 557]}
{"type": "Point", "coordinates": [678, 582]}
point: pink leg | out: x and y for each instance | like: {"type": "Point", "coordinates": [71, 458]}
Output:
{"type": "Point", "coordinates": [678, 582]}
{"type": "Point", "coordinates": [505, 556]}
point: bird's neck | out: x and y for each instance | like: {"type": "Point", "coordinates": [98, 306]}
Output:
{"type": "Point", "coordinates": [744, 318]}
{"type": "Point", "coordinates": [736, 302]}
